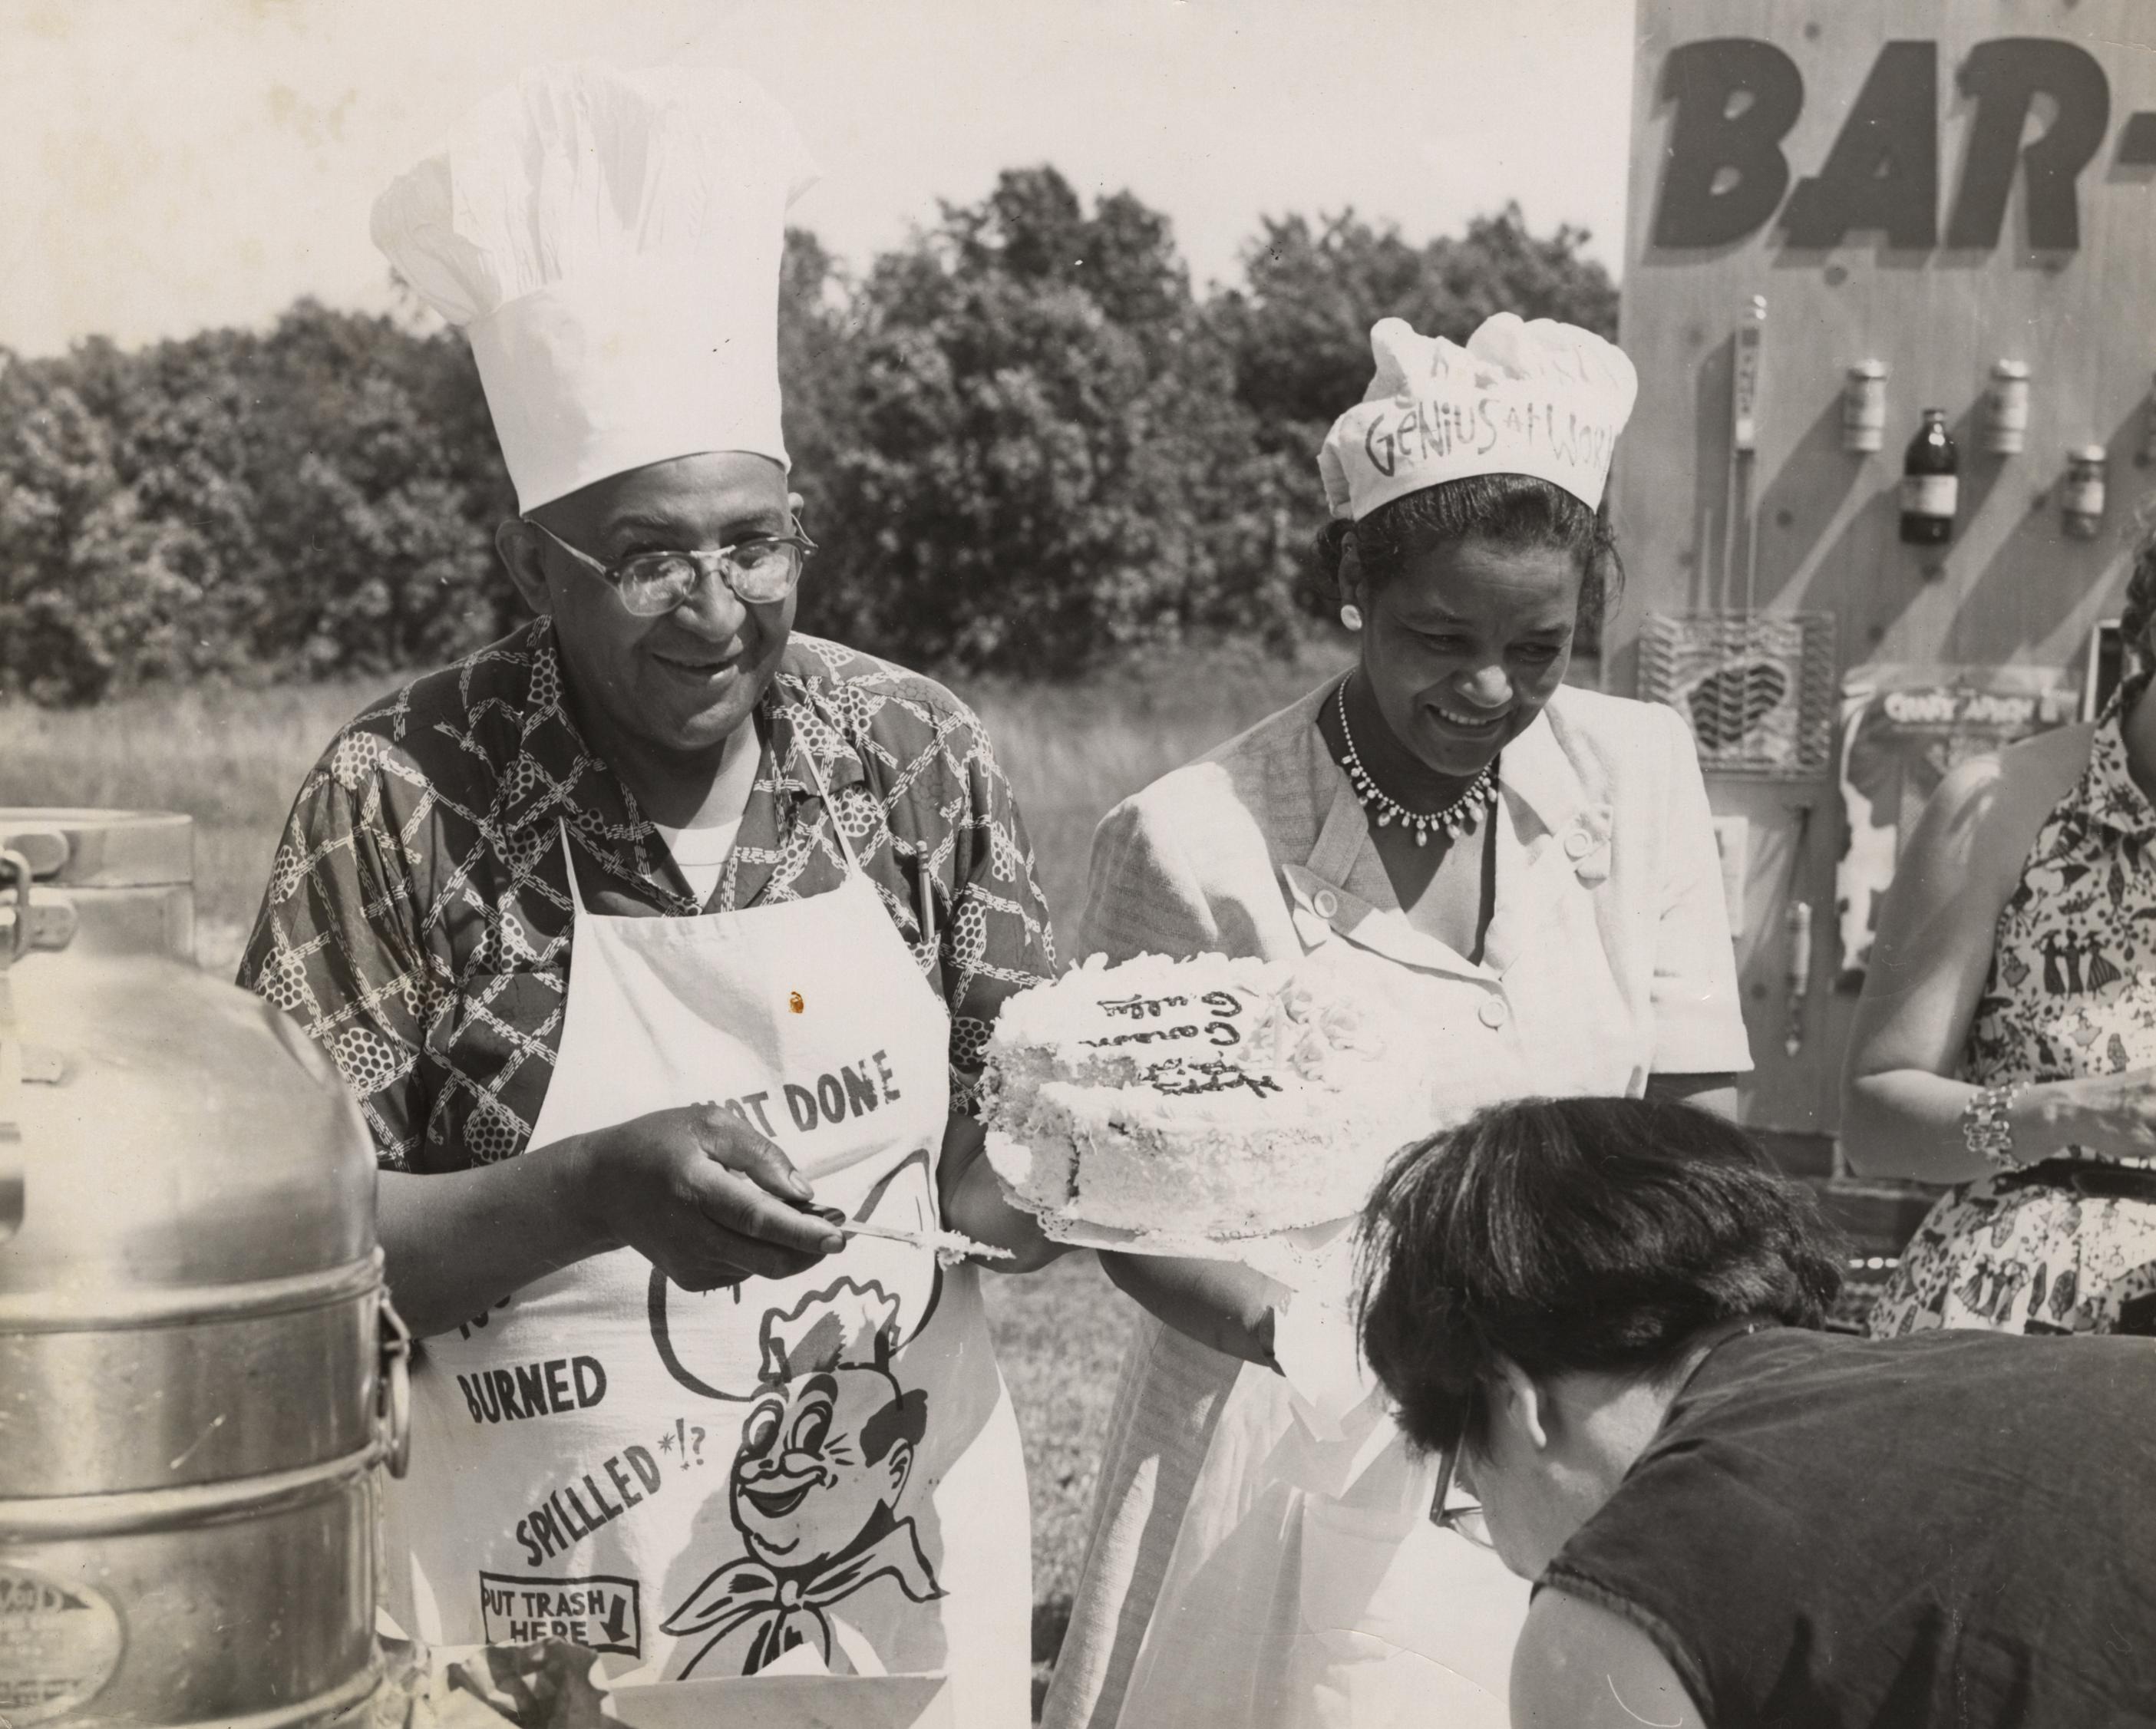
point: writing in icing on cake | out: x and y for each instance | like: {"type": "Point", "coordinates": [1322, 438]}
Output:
{"type": "Point", "coordinates": [1217, 1031]}
{"type": "Point", "coordinates": [1140, 1008]}
{"type": "Point", "coordinates": [1181, 1077]}
{"type": "Point", "coordinates": [1213, 1030]}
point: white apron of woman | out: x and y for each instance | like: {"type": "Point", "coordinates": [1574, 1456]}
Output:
{"type": "Point", "coordinates": [1307, 1585]}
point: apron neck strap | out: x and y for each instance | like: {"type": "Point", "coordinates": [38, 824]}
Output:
{"type": "Point", "coordinates": [569, 868]}
{"type": "Point", "coordinates": [824, 792]}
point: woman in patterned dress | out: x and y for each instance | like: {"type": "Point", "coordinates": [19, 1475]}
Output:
{"type": "Point", "coordinates": [2006, 1039]}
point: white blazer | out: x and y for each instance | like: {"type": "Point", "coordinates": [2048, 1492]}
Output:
{"type": "Point", "coordinates": [1610, 946]}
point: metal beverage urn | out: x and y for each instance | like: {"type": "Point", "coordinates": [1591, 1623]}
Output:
{"type": "Point", "coordinates": [199, 1375]}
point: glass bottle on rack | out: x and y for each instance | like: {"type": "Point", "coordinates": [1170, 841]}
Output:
{"type": "Point", "coordinates": [2081, 498]}
{"type": "Point", "coordinates": [1930, 485]}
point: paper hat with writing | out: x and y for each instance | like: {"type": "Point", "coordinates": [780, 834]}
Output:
{"type": "Point", "coordinates": [1540, 398]}
{"type": "Point", "coordinates": [609, 242]}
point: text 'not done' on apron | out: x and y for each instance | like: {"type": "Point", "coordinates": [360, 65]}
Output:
{"type": "Point", "coordinates": [694, 1484]}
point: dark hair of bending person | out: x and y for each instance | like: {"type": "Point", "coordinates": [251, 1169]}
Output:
{"type": "Point", "coordinates": [1618, 1232]}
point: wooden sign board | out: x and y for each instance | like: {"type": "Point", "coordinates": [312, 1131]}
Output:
{"type": "Point", "coordinates": [1937, 186]}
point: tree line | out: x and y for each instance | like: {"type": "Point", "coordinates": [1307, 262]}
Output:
{"type": "Point", "coordinates": [1025, 443]}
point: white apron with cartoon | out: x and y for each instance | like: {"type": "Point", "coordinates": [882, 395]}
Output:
{"type": "Point", "coordinates": [695, 1485]}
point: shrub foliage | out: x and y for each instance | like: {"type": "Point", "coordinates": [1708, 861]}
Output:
{"type": "Point", "coordinates": [1026, 444]}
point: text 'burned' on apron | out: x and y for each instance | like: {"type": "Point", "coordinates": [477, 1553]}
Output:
{"type": "Point", "coordinates": [693, 1484]}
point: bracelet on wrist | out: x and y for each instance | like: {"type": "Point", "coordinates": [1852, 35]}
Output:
{"type": "Point", "coordinates": [1986, 1130]}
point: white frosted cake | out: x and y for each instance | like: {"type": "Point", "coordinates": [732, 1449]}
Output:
{"type": "Point", "coordinates": [1209, 1096]}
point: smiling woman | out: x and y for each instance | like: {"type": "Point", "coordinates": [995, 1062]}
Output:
{"type": "Point", "coordinates": [1469, 595]}
{"type": "Point", "coordinates": [1520, 872]}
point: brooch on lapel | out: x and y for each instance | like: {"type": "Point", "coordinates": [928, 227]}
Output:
{"type": "Point", "coordinates": [1586, 843]}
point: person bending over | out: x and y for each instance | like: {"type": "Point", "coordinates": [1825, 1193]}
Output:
{"type": "Point", "coordinates": [1603, 1315]}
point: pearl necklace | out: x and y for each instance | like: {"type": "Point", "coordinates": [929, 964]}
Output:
{"type": "Point", "coordinates": [1457, 818]}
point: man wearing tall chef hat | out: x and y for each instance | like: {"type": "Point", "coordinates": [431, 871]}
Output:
{"type": "Point", "coordinates": [656, 940]}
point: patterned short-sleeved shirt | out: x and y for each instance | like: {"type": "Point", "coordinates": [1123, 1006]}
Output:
{"type": "Point", "coordinates": [2073, 985]}
{"type": "Point", "coordinates": [418, 920]}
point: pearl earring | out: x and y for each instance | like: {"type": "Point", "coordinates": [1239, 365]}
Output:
{"type": "Point", "coordinates": [1352, 616]}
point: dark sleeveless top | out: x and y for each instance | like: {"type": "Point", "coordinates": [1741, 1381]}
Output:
{"type": "Point", "coordinates": [1953, 1528]}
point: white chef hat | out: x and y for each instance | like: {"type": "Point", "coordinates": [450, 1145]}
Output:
{"type": "Point", "coordinates": [1540, 398]}
{"type": "Point", "coordinates": [609, 241]}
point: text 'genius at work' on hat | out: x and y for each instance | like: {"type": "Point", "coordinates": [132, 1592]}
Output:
{"type": "Point", "coordinates": [609, 242]}
{"type": "Point", "coordinates": [1541, 399]}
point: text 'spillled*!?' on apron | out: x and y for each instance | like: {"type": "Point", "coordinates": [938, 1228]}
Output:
{"type": "Point", "coordinates": [693, 1484]}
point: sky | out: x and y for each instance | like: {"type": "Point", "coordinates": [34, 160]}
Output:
{"type": "Point", "coordinates": [168, 166]}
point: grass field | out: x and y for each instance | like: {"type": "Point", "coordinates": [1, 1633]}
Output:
{"type": "Point", "coordinates": [232, 760]}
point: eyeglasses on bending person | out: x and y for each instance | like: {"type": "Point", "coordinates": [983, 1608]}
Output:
{"type": "Point", "coordinates": [761, 570]}
{"type": "Point", "coordinates": [1450, 1507]}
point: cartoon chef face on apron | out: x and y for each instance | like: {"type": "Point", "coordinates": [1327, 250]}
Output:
{"type": "Point", "coordinates": [696, 1484]}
